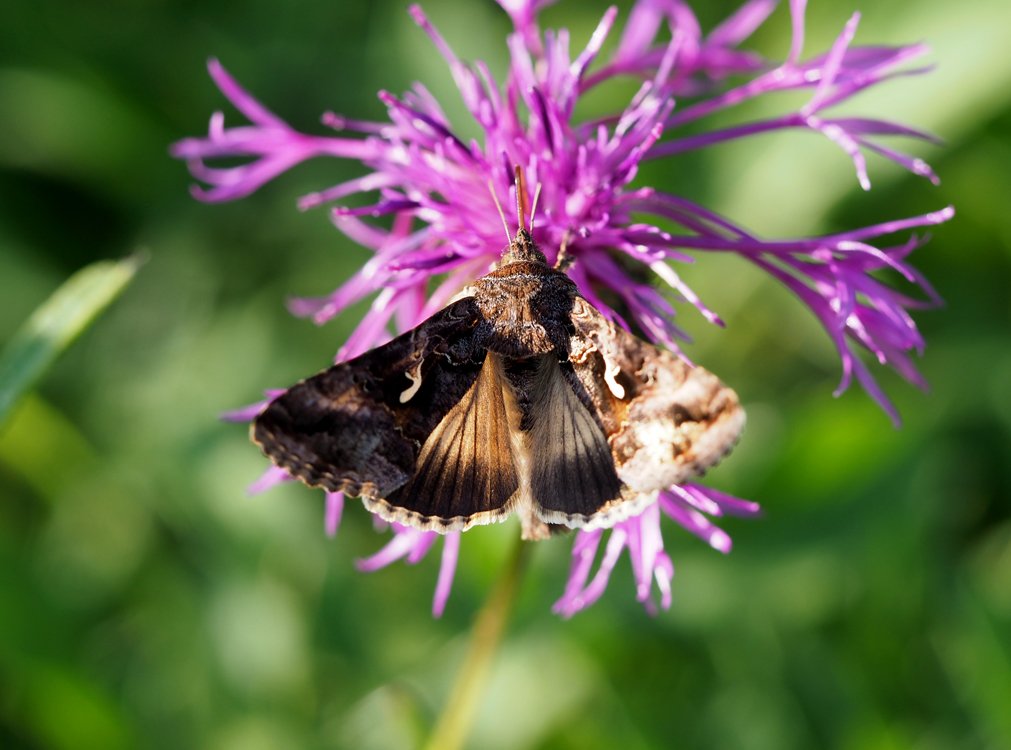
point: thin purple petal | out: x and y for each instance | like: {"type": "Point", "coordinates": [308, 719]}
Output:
{"type": "Point", "coordinates": [333, 513]}
{"type": "Point", "coordinates": [447, 571]}
{"type": "Point", "coordinates": [272, 477]}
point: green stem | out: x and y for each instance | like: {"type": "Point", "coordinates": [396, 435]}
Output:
{"type": "Point", "coordinates": [454, 723]}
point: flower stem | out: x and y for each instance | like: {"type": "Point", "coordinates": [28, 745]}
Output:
{"type": "Point", "coordinates": [454, 723]}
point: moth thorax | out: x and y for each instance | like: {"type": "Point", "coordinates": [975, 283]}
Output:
{"type": "Point", "coordinates": [517, 334]}
{"type": "Point", "coordinates": [521, 342]}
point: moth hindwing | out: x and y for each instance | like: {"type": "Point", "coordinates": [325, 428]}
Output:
{"type": "Point", "coordinates": [519, 397]}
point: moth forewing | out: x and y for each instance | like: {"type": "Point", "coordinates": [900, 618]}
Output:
{"type": "Point", "coordinates": [347, 428]}
{"type": "Point", "coordinates": [667, 421]}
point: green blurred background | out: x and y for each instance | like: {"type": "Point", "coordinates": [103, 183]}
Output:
{"type": "Point", "coordinates": [147, 601]}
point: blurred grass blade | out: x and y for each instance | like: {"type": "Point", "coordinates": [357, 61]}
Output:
{"type": "Point", "coordinates": [57, 322]}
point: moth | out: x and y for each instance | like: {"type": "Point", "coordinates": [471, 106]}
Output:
{"type": "Point", "coordinates": [518, 397]}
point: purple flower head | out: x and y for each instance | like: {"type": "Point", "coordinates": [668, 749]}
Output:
{"type": "Point", "coordinates": [430, 189]}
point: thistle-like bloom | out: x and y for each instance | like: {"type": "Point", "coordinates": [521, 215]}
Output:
{"type": "Point", "coordinates": [434, 186]}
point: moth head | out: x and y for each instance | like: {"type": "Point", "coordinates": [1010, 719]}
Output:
{"type": "Point", "coordinates": [523, 249]}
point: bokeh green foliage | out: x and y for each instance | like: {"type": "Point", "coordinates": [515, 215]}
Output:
{"type": "Point", "coordinates": [145, 601]}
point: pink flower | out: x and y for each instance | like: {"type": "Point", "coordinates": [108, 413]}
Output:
{"type": "Point", "coordinates": [434, 185]}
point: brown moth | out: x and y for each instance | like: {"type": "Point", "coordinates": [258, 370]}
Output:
{"type": "Point", "coordinates": [519, 397]}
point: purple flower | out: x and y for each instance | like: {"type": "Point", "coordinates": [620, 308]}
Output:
{"type": "Point", "coordinates": [434, 187]}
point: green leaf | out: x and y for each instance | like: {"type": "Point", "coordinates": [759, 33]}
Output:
{"type": "Point", "coordinates": [57, 322]}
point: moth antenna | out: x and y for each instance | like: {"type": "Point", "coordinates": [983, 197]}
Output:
{"type": "Point", "coordinates": [533, 209]}
{"type": "Point", "coordinates": [505, 224]}
{"type": "Point", "coordinates": [521, 197]}
{"type": "Point", "coordinates": [564, 260]}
